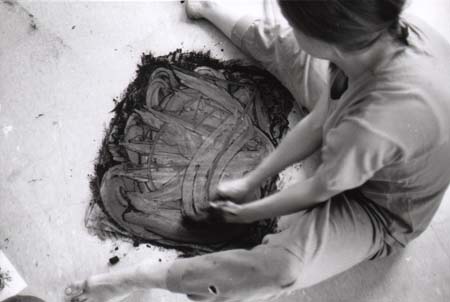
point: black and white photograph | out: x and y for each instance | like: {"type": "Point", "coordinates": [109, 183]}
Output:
{"type": "Point", "coordinates": [225, 150]}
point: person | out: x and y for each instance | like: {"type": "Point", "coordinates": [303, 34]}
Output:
{"type": "Point", "coordinates": [376, 85]}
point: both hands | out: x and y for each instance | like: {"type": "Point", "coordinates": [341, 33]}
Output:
{"type": "Point", "coordinates": [231, 212]}
{"type": "Point", "coordinates": [230, 201]}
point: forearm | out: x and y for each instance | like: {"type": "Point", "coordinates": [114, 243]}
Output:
{"type": "Point", "coordinates": [295, 198]}
{"type": "Point", "coordinates": [299, 143]}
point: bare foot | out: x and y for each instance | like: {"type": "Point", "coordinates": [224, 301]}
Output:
{"type": "Point", "coordinates": [195, 8]}
{"type": "Point", "coordinates": [99, 288]}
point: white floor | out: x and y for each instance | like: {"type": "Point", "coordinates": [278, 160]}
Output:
{"type": "Point", "coordinates": [57, 82]}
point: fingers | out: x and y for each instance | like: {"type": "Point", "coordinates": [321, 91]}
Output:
{"type": "Point", "coordinates": [227, 211]}
{"type": "Point", "coordinates": [226, 206]}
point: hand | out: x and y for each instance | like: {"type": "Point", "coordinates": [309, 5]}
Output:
{"type": "Point", "coordinates": [237, 190]}
{"type": "Point", "coordinates": [195, 8]}
{"type": "Point", "coordinates": [230, 212]}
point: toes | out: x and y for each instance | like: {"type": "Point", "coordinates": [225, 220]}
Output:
{"type": "Point", "coordinates": [75, 289]}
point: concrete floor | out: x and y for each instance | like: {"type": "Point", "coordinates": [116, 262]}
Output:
{"type": "Point", "coordinates": [61, 63]}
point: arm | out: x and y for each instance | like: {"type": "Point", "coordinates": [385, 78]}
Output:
{"type": "Point", "coordinates": [273, 46]}
{"type": "Point", "coordinates": [352, 153]}
{"type": "Point", "coordinates": [299, 143]}
{"type": "Point", "coordinates": [295, 198]}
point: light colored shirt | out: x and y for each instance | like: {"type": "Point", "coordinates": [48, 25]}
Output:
{"type": "Point", "coordinates": [387, 138]}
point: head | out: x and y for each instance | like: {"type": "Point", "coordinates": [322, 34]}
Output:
{"type": "Point", "coordinates": [348, 25]}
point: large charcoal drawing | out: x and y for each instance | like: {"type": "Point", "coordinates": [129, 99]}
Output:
{"type": "Point", "coordinates": [186, 123]}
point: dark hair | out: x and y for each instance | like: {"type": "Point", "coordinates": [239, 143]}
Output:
{"type": "Point", "coordinates": [348, 24]}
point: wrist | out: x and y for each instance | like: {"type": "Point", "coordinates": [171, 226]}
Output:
{"type": "Point", "coordinates": [250, 213]}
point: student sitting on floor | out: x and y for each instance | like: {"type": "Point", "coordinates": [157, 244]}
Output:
{"type": "Point", "coordinates": [377, 88]}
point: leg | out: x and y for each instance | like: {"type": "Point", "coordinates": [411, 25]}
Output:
{"type": "Point", "coordinates": [202, 278]}
{"type": "Point", "coordinates": [274, 46]}
{"type": "Point", "coordinates": [118, 285]}
{"type": "Point", "coordinates": [323, 242]}
{"type": "Point", "coordinates": [236, 274]}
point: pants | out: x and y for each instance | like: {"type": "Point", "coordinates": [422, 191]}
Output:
{"type": "Point", "coordinates": [323, 242]}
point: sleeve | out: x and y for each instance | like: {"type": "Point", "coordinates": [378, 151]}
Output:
{"type": "Point", "coordinates": [276, 48]}
{"type": "Point", "coordinates": [352, 153]}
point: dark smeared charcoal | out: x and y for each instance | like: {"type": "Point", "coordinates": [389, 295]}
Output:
{"type": "Point", "coordinates": [186, 122]}
{"type": "Point", "coordinates": [114, 260]}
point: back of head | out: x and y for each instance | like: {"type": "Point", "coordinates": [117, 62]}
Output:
{"type": "Point", "coordinates": [348, 24]}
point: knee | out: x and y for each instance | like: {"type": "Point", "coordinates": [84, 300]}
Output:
{"type": "Point", "coordinates": [284, 268]}
{"type": "Point", "coordinates": [286, 275]}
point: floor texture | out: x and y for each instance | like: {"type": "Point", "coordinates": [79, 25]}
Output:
{"type": "Point", "coordinates": [61, 63]}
